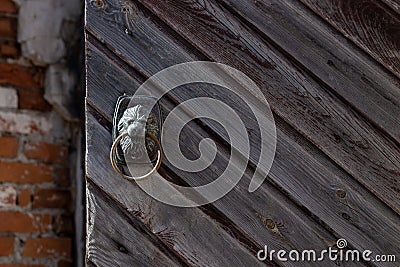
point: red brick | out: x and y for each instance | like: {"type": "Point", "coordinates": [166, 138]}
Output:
{"type": "Point", "coordinates": [20, 265]}
{"type": "Point", "coordinates": [8, 196]}
{"type": "Point", "coordinates": [9, 49]}
{"type": "Point", "coordinates": [51, 198]}
{"type": "Point", "coordinates": [19, 222]}
{"type": "Point", "coordinates": [46, 152]}
{"type": "Point", "coordinates": [8, 146]}
{"type": "Point", "coordinates": [24, 197]}
{"type": "Point", "coordinates": [6, 246]}
{"type": "Point", "coordinates": [47, 247]}
{"type": "Point", "coordinates": [30, 99]}
{"type": "Point", "coordinates": [12, 74]}
{"type": "Point", "coordinates": [8, 6]}
{"type": "Point", "coordinates": [8, 27]}
{"type": "Point", "coordinates": [18, 172]}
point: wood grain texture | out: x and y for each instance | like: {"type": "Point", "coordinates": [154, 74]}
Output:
{"type": "Point", "coordinates": [113, 239]}
{"type": "Point", "coordinates": [357, 78]}
{"type": "Point", "coordinates": [368, 23]}
{"type": "Point", "coordinates": [307, 106]}
{"type": "Point", "coordinates": [293, 95]}
{"type": "Point", "coordinates": [393, 4]}
{"type": "Point", "coordinates": [248, 211]}
{"type": "Point", "coordinates": [324, 192]}
{"type": "Point", "coordinates": [314, 185]}
{"type": "Point", "coordinates": [189, 234]}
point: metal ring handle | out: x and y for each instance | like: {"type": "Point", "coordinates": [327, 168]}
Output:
{"type": "Point", "coordinates": [134, 178]}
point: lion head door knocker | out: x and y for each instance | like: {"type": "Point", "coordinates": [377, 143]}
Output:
{"type": "Point", "coordinates": [136, 135]}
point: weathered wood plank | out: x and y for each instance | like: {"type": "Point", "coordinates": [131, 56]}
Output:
{"type": "Point", "coordinates": [189, 233]}
{"type": "Point", "coordinates": [360, 80]}
{"type": "Point", "coordinates": [112, 238]}
{"type": "Point", "coordinates": [342, 135]}
{"type": "Point", "coordinates": [305, 104]}
{"type": "Point", "coordinates": [316, 190]}
{"type": "Point", "coordinates": [249, 211]}
{"type": "Point", "coordinates": [368, 23]}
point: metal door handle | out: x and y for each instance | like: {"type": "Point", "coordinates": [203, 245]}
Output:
{"type": "Point", "coordinates": [136, 178]}
{"type": "Point", "coordinates": [136, 125]}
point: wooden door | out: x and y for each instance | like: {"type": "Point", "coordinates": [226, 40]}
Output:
{"type": "Point", "coordinates": [336, 103]}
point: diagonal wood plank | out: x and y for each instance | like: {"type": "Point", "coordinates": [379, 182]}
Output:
{"type": "Point", "coordinates": [192, 236]}
{"type": "Point", "coordinates": [327, 122]}
{"type": "Point", "coordinates": [350, 73]}
{"type": "Point", "coordinates": [112, 240]}
{"type": "Point", "coordinates": [250, 211]}
{"type": "Point", "coordinates": [368, 23]}
{"type": "Point", "coordinates": [303, 182]}
{"type": "Point", "coordinates": [305, 104]}
{"type": "Point", "coordinates": [330, 204]}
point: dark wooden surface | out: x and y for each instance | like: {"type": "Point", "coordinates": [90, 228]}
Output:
{"type": "Point", "coordinates": [337, 165]}
{"type": "Point", "coordinates": [368, 23]}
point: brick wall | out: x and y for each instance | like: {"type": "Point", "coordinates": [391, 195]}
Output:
{"type": "Point", "coordinates": [36, 193]}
